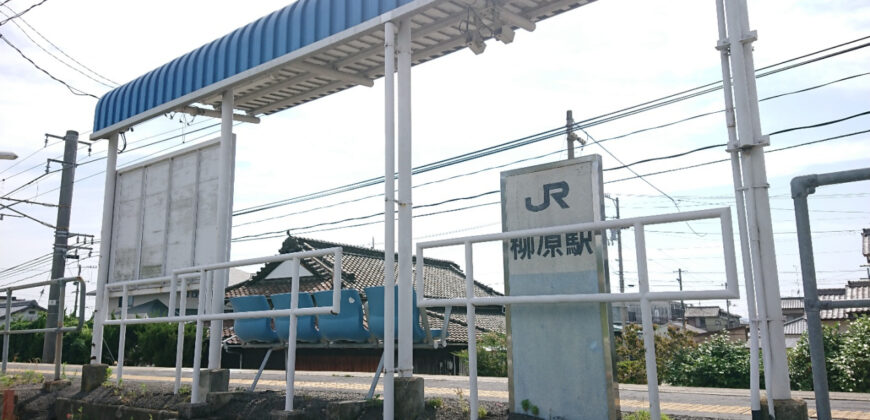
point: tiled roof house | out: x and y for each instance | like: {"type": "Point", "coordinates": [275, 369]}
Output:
{"type": "Point", "coordinates": [362, 268]}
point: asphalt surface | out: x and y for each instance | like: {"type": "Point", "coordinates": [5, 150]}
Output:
{"type": "Point", "coordinates": [698, 402]}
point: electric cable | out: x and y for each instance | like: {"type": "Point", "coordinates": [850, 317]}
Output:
{"type": "Point", "coordinates": [22, 20]}
{"type": "Point", "coordinates": [22, 12]}
{"type": "Point", "coordinates": [74, 91]}
{"type": "Point", "coordinates": [15, 22]}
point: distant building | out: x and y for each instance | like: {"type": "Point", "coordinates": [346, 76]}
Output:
{"type": "Point", "coordinates": [738, 334]}
{"type": "Point", "coordinates": [711, 318]}
{"type": "Point", "coordinates": [796, 322]}
{"type": "Point", "coordinates": [22, 310]}
{"type": "Point", "coordinates": [662, 312]}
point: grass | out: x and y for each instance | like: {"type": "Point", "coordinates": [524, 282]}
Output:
{"type": "Point", "coordinates": [27, 377]}
{"type": "Point", "coordinates": [643, 415]}
{"type": "Point", "coordinates": [435, 403]}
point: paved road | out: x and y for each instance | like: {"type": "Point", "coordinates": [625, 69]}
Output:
{"type": "Point", "coordinates": [703, 402]}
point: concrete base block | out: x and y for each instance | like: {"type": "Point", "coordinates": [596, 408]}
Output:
{"type": "Point", "coordinates": [52, 386]}
{"type": "Point", "coordinates": [193, 410]}
{"type": "Point", "coordinates": [290, 415]}
{"type": "Point", "coordinates": [213, 380]}
{"type": "Point", "coordinates": [410, 402]}
{"type": "Point", "coordinates": [93, 376]}
{"type": "Point", "coordinates": [345, 410]}
{"type": "Point", "coordinates": [216, 400]}
{"type": "Point", "coordinates": [793, 409]}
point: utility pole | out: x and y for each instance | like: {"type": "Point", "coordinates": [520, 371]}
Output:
{"type": "Point", "coordinates": [623, 313]}
{"type": "Point", "coordinates": [61, 235]}
{"type": "Point", "coordinates": [571, 136]}
{"type": "Point", "coordinates": [682, 303]}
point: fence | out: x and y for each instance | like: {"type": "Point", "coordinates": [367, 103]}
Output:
{"type": "Point", "coordinates": [205, 276]}
{"type": "Point", "coordinates": [644, 296]}
{"type": "Point", "coordinates": [59, 329]}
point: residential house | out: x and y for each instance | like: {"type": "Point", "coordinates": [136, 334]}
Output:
{"type": "Point", "coordinates": [793, 309]}
{"type": "Point", "coordinates": [711, 318]}
{"type": "Point", "coordinates": [21, 310]}
{"type": "Point", "coordinates": [361, 268]}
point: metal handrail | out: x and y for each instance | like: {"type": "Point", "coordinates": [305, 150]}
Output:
{"type": "Point", "coordinates": [59, 329]}
{"type": "Point", "coordinates": [202, 274]}
{"type": "Point", "coordinates": [644, 297]}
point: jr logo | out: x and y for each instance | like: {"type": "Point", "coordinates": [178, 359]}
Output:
{"type": "Point", "coordinates": [559, 190]}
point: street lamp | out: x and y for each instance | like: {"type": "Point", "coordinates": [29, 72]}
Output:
{"type": "Point", "coordinates": [8, 156]}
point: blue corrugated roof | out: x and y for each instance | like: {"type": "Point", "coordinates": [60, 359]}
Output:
{"type": "Point", "coordinates": [279, 33]}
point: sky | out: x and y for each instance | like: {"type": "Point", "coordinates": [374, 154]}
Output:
{"type": "Point", "coordinates": [599, 58]}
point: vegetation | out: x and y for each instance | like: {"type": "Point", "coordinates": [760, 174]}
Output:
{"type": "Point", "coordinates": [643, 415]}
{"type": "Point", "coordinates": [146, 344]}
{"type": "Point", "coordinates": [847, 358]}
{"type": "Point", "coordinates": [630, 352]}
{"type": "Point", "coordinates": [491, 354]}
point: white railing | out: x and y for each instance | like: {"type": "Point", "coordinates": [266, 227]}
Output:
{"type": "Point", "coordinates": [204, 275]}
{"type": "Point", "coordinates": [644, 296]}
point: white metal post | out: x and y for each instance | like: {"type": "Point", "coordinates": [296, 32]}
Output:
{"type": "Point", "coordinates": [731, 123]}
{"type": "Point", "coordinates": [406, 364]}
{"type": "Point", "coordinates": [752, 144]}
{"type": "Point", "coordinates": [471, 319]}
{"type": "Point", "coordinates": [646, 321]}
{"type": "Point", "coordinates": [122, 340]}
{"type": "Point", "coordinates": [290, 369]}
{"type": "Point", "coordinates": [389, 217]}
{"type": "Point", "coordinates": [101, 301]}
{"type": "Point", "coordinates": [197, 344]}
{"type": "Point", "coordinates": [179, 346]}
{"type": "Point", "coordinates": [224, 220]}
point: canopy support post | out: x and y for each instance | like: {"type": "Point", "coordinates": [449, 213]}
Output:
{"type": "Point", "coordinates": [406, 365]}
{"type": "Point", "coordinates": [388, 358]}
{"type": "Point", "coordinates": [224, 221]}
{"type": "Point", "coordinates": [101, 304]}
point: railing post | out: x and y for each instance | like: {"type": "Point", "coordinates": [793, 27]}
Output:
{"type": "Point", "coordinates": [7, 323]}
{"type": "Point", "coordinates": [290, 369]}
{"type": "Point", "coordinates": [197, 345]}
{"type": "Point", "coordinates": [101, 304]}
{"type": "Point", "coordinates": [122, 338]}
{"type": "Point", "coordinates": [646, 319]}
{"type": "Point", "coordinates": [179, 346]}
{"type": "Point", "coordinates": [389, 357]}
{"type": "Point", "coordinates": [472, 336]}
{"type": "Point", "coordinates": [58, 341]}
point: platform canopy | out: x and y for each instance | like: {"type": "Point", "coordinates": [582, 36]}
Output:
{"type": "Point", "coordinates": [307, 50]}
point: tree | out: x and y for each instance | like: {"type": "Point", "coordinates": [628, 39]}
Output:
{"type": "Point", "coordinates": [491, 354]}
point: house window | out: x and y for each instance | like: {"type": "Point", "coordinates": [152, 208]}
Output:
{"type": "Point", "coordinates": [31, 312]}
{"type": "Point", "coordinates": [702, 323]}
{"type": "Point", "coordinates": [193, 294]}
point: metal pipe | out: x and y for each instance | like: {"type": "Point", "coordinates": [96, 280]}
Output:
{"type": "Point", "coordinates": [758, 206]}
{"type": "Point", "coordinates": [224, 224]}
{"type": "Point", "coordinates": [122, 340]}
{"type": "Point", "coordinates": [801, 188]}
{"type": "Point", "coordinates": [646, 321]}
{"type": "Point", "coordinates": [259, 260]}
{"type": "Point", "coordinates": [101, 301]}
{"type": "Point", "coordinates": [259, 371]}
{"type": "Point", "coordinates": [290, 369]}
{"type": "Point", "coordinates": [7, 323]}
{"type": "Point", "coordinates": [406, 367]}
{"type": "Point", "coordinates": [319, 310]}
{"type": "Point", "coordinates": [754, 383]}
{"type": "Point", "coordinates": [472, 333]}
{"type": "Point", "coordinates": [179, 346]}
{"type": "Point", "coordinates": [388, 360]}
{"type": "Point", "coordinates": [197, 345]}
{"type": "Point", "coordinates": [584, 227]}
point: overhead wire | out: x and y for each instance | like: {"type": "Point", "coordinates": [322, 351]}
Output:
{"type": "Point", "coordinates": [74, 91]}
{"type": "Point", "coordinates": [92, 71]}
{"type": "Point", "coordinates": [22, 12]}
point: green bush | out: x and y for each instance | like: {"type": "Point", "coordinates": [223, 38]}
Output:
{"type": "Point", "coordinates": [491, 354]}
{"type": "Point", "coordinates": [718, 363]}
{"type": "Point", "coordinates": [630, 352]}
{"type": "Point", "coordinates": [847, 358]}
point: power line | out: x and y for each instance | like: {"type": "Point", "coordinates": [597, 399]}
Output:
{"type": "Point", "coordinates": [60, 50]}
{"type": "Point", "coordinates": [74, 91]}
{"type": "Point", "coordinates": [547, 134]}
{"type": "Point", "coordinates": [22, 13]}
{"type": "Point", "coordinates": [54, 56]}
{"type": "Point", "coordinates": [275, 234]}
